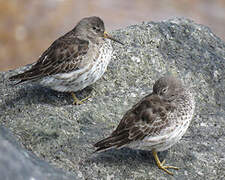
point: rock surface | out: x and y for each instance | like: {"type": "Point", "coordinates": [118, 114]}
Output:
{"type": "Point", "coordinates": [17, 163]}
{"type": "Point", "coordinates": [48, 125]}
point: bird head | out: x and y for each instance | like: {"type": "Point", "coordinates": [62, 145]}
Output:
{"type": "Point", "coordinates": [92, 28]}
{"type": "Point", "coordinates": [168, 87]}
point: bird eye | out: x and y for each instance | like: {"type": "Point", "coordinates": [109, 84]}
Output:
{"type": "Point", "coordinates": [164, 90]}
{"type": "Point", "coordinates": [97, 29]}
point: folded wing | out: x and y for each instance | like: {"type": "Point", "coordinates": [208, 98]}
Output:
{"type": "Point", "coordinates": [64, 55]}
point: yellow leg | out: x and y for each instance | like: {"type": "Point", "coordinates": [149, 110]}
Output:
{"type": "Point", "coordinates": [76, 101]}
{"type": "Point", "coordinates": [161, 165]}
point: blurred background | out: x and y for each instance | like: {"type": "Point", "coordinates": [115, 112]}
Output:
{"type": "Point", "coordinates": [28, 27]}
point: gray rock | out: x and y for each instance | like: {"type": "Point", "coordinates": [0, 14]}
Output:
{"type": "Point", "coordinates": [62, 134]}
{"type": "Point", "coordinates": [17, 163]}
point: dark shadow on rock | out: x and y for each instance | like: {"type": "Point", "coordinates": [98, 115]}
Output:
{"type": "Point", "coordinates": [126, 156]}
{"type": "Point", "coordinates": [36, 94]}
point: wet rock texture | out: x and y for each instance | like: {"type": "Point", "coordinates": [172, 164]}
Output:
{"type": "Point", "coordinates": [47, 127]}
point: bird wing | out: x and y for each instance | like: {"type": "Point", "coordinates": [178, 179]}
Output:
{"type": "Point", "coordinates": [147, 118]}
{"type": "Point", "coordinates": [64, 55]}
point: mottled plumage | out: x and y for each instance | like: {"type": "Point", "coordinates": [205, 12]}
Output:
{"type": "Point", "coordinates": [75, 60]}
{"type": "Point", "coordinates": [157, 122]}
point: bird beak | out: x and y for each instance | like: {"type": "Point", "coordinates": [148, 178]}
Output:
{"type": "Point", "coordinates": [109, 37]}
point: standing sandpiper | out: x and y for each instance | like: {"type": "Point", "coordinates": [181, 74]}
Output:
{"type": "Point", "coordinates": [157, 122]}
{"type": "Point", "coordinates": [75, 60]}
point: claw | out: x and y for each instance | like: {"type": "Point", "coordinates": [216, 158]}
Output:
{"type": "Point", "coordinates": [76, 101]}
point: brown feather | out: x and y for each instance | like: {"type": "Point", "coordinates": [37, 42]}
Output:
{"type": "Point", "coordinates": [136, 123]}
{"type": "Point", "coordinates": [61, 57]}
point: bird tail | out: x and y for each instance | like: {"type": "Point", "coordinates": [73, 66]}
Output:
{"type": "Point", "coordinates": [113, 141]}
{"type": "Point", "coordinates": [18, 77]}
{"type": "Point", "coordinates": [29, 75]}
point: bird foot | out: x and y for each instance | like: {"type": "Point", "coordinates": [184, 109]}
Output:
{"type": "Point", "coordinates": [161, 164]}
{"type": "Point", "coordinates": [76, 101]}
{"type": "Point", "coordinates": [164, 168]}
